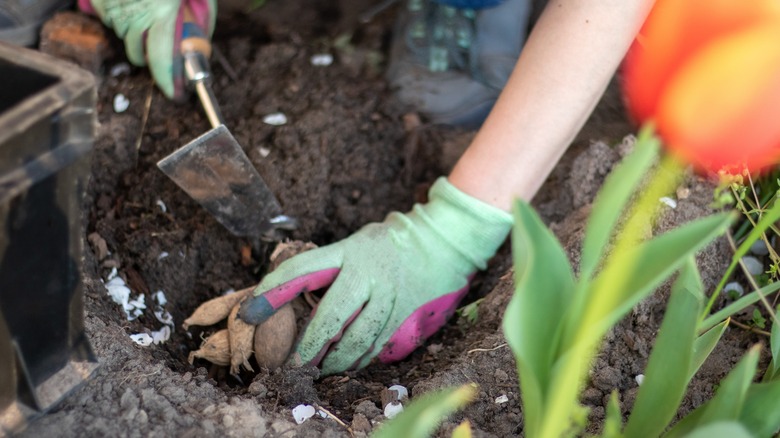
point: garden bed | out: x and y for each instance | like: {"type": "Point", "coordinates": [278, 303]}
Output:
{"type": "Point", "coordinates": [348, 155]}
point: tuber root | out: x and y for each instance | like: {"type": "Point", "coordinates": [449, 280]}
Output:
{"type": "Point", "coordinates": [215, 349]}
{"type": "Point", "coordinates": [216, 309]}
{"type": "Point", "coordinates": [241, 335]}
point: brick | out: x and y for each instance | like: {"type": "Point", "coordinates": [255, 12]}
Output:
{"type": "Point", "coordinates": [77, 38]}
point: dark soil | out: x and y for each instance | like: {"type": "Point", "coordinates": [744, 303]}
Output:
{"type": "Point", "coordinates": [348, 155]}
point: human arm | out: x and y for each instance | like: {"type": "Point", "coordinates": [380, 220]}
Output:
{"type": "Point", "coordinates": [564, 68]}
{"type": "Point", "coordinates": [393, 284]}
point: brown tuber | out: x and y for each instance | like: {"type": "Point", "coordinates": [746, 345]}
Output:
{"type": "Point", "coordinates": [216, 309]}
{"type": "Point", "coordinates": [241, 335]}
{"type": "Point", "coordinates": [274, 338]}
{"type": "Point", "coordinates": [215, 349]}
{"type": "Point", "coordinates": [271, 341]}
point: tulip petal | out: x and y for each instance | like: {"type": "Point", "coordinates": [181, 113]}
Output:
{"type": "Point", "coordinates": [674, 31]}
{"type": "Point", "coordinates": [722, 107]}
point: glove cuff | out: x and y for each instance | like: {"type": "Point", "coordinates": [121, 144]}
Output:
{"type": "Point", "coordinates": [86, 7]}
{"type": "Point", "coordinates": [476, 229]}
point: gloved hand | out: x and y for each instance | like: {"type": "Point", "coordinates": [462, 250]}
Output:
{"type": "Point", "coordinates": [392, 284]}
{"type": "Point", "coordinates": [152, 31]}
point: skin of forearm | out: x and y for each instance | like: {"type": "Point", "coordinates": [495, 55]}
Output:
{"type": "Point", "coordinates": [564, 68]}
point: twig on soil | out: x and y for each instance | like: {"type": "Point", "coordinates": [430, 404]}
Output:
{"type": "Point", "coordinates": [144, 119]}
{"type": "Point", "coordinates": [750, 328]}
{"type": "Point", "coordinates": [484, 350]}
{"type": "Point", "coordinates": [335, 418]}
{"type": "Point", "coordinates": [231, 72]}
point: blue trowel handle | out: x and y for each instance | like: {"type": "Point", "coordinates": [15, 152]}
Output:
{"type": "Point", "coordinates": [196, 50]}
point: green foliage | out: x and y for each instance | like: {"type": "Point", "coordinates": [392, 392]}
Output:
{"type": "Point", "coordinates": [424, 414]}
{"type": "Point", "coordinates": [470, 311]}
{"type": "Point", "coordinates": [667, 374]}
{"type": "Point", "coordinates": [721, 429]}
{"type": "Point", "coordinates": [768, 219]}
{"type": "Point", "coordinates": [758, 319]}
{"type": "Point", "coordinates": [728, 401]}
{"type": "Point", "coordinates": [738, 305]}
{"type": "Point", "coordinates": [463, 430]}
{"type": "Point", "coordinates": [554, 323]}
{"type": "Point", "coordinates": [614, 421]}
{"type": "Point", "coordinates": [760, 413]}
{"type": "Point", "coordinates": [704, 345]}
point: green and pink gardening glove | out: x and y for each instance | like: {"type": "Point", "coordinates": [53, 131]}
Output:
{"type": "Point", "coordinates": [390, 285]}
{"type": "Point", "coordinates": [152, 31]}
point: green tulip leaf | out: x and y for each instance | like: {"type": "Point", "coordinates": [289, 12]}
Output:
{"type": "Point", "coordinates": [774, 347]}
{"type": "Point", "coordinates": [761, 412]}
{"type": "Point", "coordinates": [728, 402]}
{"type": "Point", "coordinates": [628, 279]}
{"type": "Point", "coordinates": [721, 429]}
{"type": "Point", "coordinates": [421, 418]}
{"type": "Point", "coordinates": [611, 200]}
{"type": "Point", "coordinates": [666, 375]}
{"type": "Point", "coordinates": [614, 421]}
{"type": "Point", "coordinates": [704, 345]}
{"type": "Point", "coordinates": [544, 284]}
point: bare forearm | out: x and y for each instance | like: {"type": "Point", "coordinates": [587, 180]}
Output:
{"type": "Point", "coordinates": [562, 72]}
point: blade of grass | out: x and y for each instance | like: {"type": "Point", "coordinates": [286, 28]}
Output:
{"type": "Point", "coordinates": [736, 306]}
{"type": "Point", "coordinates": [769, 218]}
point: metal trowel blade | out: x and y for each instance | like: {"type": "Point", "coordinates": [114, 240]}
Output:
{"type": "Point", "coordinates": [215, 171]}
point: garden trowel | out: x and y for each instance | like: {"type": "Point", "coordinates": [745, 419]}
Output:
{"type": "Point", "coordinates": [213, 169]}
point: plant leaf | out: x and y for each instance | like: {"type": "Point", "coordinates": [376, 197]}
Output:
{"type": "Point", "coordinates": [424, 414]}
{"type": "Point", "coordinates": [612, 198]}
{"type": "Point", "coordinates": [544, 283]}
{"type": "Point", "coordinates": [774, 346]}
{"type": "Point", "coordinates": [463, 430]}
{"type": "Point", "coordinates": [761, 412]}
{"type": "Point", "coordinates": [704, 345]}
{"type": "Point", "coordinates": [736, 306]}
{"type": "Point", "coordinates": [666, 375]}
{"type": "Point", "coordinates": [631, 277]}
{"type": "Point", "coordinates": [614, 421]}
{"type": "Point", "coordinates": [767, 219]}
{"type": "Point", "coordinates": [728, 401]}
{"type": "Point", "coordinates": [721, 429]}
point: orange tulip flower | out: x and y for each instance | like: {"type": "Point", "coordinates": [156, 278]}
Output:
{"type": "Point", "coordinates": [707, 73]}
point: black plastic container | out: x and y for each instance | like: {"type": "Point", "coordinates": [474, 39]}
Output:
{"type": "Point", "coordinates": [47, 126]}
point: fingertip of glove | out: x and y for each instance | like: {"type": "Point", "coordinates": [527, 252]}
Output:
{"type": "Point", "coordinates": [255, 310]}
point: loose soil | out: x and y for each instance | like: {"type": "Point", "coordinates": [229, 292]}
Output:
{"type": "Point", "coordinates": [348, 155]}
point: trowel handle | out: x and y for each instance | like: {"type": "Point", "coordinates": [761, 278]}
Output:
{"type": "Point", "coordinates": [193, 39]}
{"type": "Point", "coordinates": [196, 49]}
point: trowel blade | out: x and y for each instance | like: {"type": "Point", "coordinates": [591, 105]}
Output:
{"type": "Point", "coordinates": [215, 171]}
